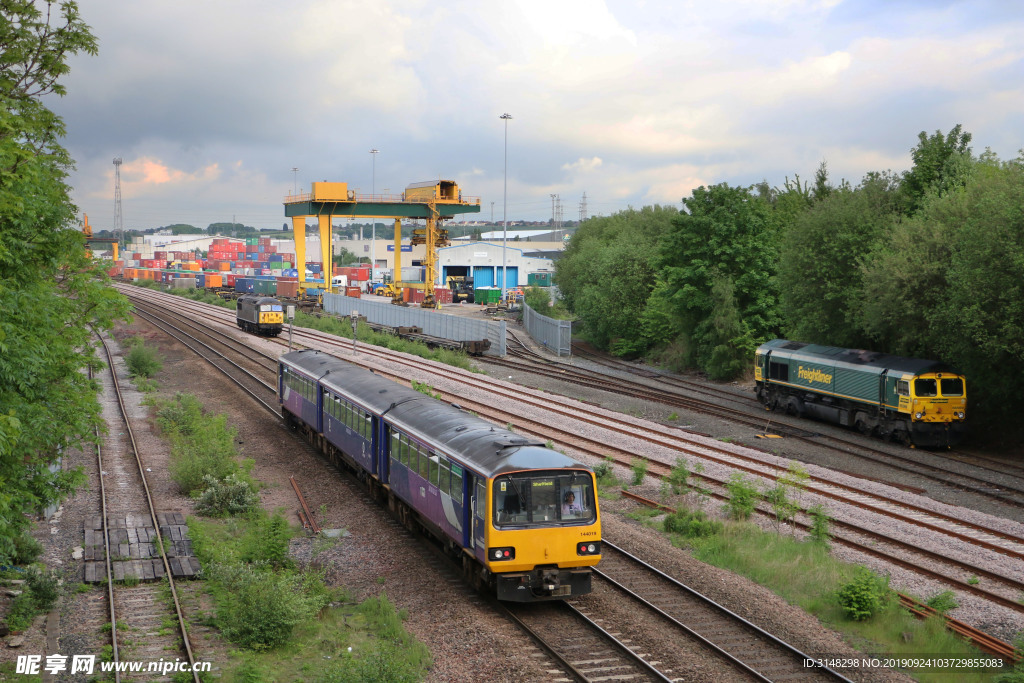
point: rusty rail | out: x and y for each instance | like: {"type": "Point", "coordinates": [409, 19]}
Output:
{"type": "Point", "coordinates": [308, 521]}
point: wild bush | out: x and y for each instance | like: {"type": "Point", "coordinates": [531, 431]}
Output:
{"type": "Point", "coordinates": [639, 471]}
{"type": "Point", "coordinates": [142, 361]}
{"type": "Point", "coordinates": [43, 587]}
{"type": "Point", "coordinates": [820, 524]}
{"type": "Point", "coordinates": [692, 524]}
{"type": "Point", "coordinates": [259, 607]}
{"type": "Point", "coordinates": [679, 476]}
{"type": "Point", "coordinates": [267, 540]}
{"type": "Point", "coordinates": [865, 595]}
{"type": "Point", "coordinates": [231, 495]}
{"type": "Point", "coordinates": [943, 602]}
{"type": "Point", "coordinates": [743, 495]}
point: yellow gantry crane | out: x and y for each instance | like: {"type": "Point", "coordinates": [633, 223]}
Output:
{"type": "Point", "coordinates": [433, 201]}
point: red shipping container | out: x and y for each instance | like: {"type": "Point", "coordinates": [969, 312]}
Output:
{"type": "Point", "coordinates": [229, 280]}
{"type": "Point", "coordinates": [288, 288]}
{"type": "Point", "coordinates": [442, 295]}
{"type": "Point", "coordinates": [353, 292]}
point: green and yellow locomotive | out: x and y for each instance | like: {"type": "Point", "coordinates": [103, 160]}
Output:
{"type": "Point", "coordinates": [918, 402]}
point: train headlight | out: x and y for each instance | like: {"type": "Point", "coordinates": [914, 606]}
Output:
{"type": "Point", "coordinates": [960, 415]}
{"type": "Point", "coordinates": [592, 548]}
{"type": "Point", "coordinates": [918, 416]}
{"type": "Point", "coordinates": [501, 554]}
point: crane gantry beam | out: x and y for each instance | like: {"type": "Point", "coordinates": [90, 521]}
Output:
{"type": "Point", "coordinates": [432, 201]}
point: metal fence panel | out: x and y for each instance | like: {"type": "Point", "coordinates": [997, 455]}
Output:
{"type": "Point", "coordinates": [432, 322]}
{"type": "Point", "coordinates": [555, 335]}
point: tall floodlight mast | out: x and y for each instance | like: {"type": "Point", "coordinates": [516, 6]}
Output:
{"type": "Point", "coordinates": [118, 217]}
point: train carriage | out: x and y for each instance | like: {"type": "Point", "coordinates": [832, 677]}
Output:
{"type": "Point", "coordinates": [916, 401]}
{"type": "Point", "coordinates": [494, 498]}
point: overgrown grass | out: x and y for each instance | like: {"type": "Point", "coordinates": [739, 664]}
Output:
{"type": "Point", "coordinates": [204, 460]}
{"type": "Point", "coordinates": [278, 614]}
{"type": "Point", "coordinates": [142, 361]}
{"type": "Point", "coordinates": [805, 574]}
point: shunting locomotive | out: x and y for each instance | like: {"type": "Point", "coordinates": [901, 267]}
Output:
{"type": "Point", "coordinates": [522, 519]}
{"type": "Point", "coordinates": [918, 402]}
{"type": "Point", "coordinates": [258, 314]}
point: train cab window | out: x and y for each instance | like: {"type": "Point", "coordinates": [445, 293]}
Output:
{"type": "Point", "coordinates": [902, 388]}
{"type": "Point", "coordinates": [541, 499]}
{"type": "Point", "coordinates": [778, 371]}
{"type": "Point", "coordinates": [924, 387]}
{"type": "Point", "coordinates": [456, 486]}
{"type": "Point", "coordinates": [951, 386]}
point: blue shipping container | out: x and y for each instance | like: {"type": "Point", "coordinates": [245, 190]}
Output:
{"type": "Point", "coordinates": [244, 284]}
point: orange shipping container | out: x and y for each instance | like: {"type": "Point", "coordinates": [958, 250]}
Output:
{"type": "Point", "coordinates": [353, 292]}
{"type": "Point", "coordinates": [214, 281]}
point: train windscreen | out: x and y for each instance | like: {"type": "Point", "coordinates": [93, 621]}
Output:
{"type": "Point", "coordinates": [544, 498]}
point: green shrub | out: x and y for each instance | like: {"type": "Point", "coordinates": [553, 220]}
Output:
{"type": "Point", "coordinates": [639, 471]}
{"type": "Point", "coordinates": [679, 476]}
{"type": "Point", "coordinates": [43, 587]}
{"type": "Point", "coordinates": [26, 549]}
{"type": "Point", "coordinates": [943, 602]}
{"type": "Point", "coordinates": [783, 506]}
{"type": "Point", "coordinates": [604, 474]}
{"type": "Point", "coordinates": [743, 496]}
{"type": "Point", "coordinates": [865, 595]}
{"type": "Point", "coordinates": [201, 445]}
{"type": "Point", "coordinates": [231, 495]}
{"type": "Point", "coordinates": [267, 541]}
{"type": "Point", "coordinates": [21, 612]}
{"type": "Point", "coordinates": [692, 524]}
{"type": "Point", "coordinates": [142, 361]}
{"type": "Point", "coordinates": [820, 524]}
{"type": "Point", "coordinates": [259, 607]}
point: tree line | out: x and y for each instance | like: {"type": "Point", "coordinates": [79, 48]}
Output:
{"type": "Point", "coordinates": [928, 263]}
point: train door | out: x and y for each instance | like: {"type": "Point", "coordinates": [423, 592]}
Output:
{"type": "Point", "coordinates": [378, 449]}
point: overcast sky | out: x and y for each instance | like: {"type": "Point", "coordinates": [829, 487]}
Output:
{"type": "Point", "coordinates": [635, 102]}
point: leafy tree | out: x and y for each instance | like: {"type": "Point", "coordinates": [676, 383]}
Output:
{"type": "Point", "coordinates": [49, 292]}
{"type": "Point", "coordinates": [820, 261]}
{"type": "Point", "coordinates": [184, 229]}
{"type": "Point", "coordinates": [940, 164]}
{"type": "Point", "coordinates": [948, 284]}
{"type": "Point", "coordinates": [607, 274]}
{"type": "Point", "coordinates": [717, 264]}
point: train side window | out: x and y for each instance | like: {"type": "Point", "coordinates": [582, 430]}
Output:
{"type": "Point", "coordinates": [481, 498]}
{"type": "Point", "coordinates": [424, 464]}
{"type": "Point", "coordinates": [903, 388]}
{"type": "Point", "coordinates": [435, 468]}
{"type": "Point", "coordinates": [446, 474]}
{"type": "Point", "coordinates": [395, 443]}
{"type": "Point", "coordinates": [778, 371]}
{"type": "Point", "coordinates": [925, 387]}
{"type": "Point", "coordinates": [456, 487]}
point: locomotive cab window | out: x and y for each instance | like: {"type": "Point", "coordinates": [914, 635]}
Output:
{"type": "Point", "coordinates": [903, 388]}
{"type": "Point", "coordinates": [543, 499]}
{"type": "Point", "coordinates": [951, 386]}
{"type": "Point", "coordinates": [778, 371]}
{"type": "Point", "coordinates": [924, 387]}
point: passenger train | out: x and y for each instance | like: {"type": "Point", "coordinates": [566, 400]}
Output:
{"type": "Point", "coordinates": [522, 519]}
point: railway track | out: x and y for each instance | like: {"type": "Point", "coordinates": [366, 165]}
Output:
{"type": "Point", "coordinates": [730, 638]}
{"type": "Point", "coordinates": [1006, 487]}
{"type": "Point", "coordinates": [138, 611]}
{"type": "Point", "coordinates": [903, 513]}
{"type": "Point", "coordinates": [581, 645]}
{"type": "Point", "coordinates": [982, 640]}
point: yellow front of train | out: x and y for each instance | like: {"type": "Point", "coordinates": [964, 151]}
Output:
{"type": "Point", "coordinates": [542, 534]}
{"type": "Point", "coordinates": [937, 405]}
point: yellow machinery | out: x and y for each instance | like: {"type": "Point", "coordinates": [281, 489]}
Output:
{"type": "Point", "coordinates": [90, 240]}
{"type": "Point", "coordinates": [433, 201]}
